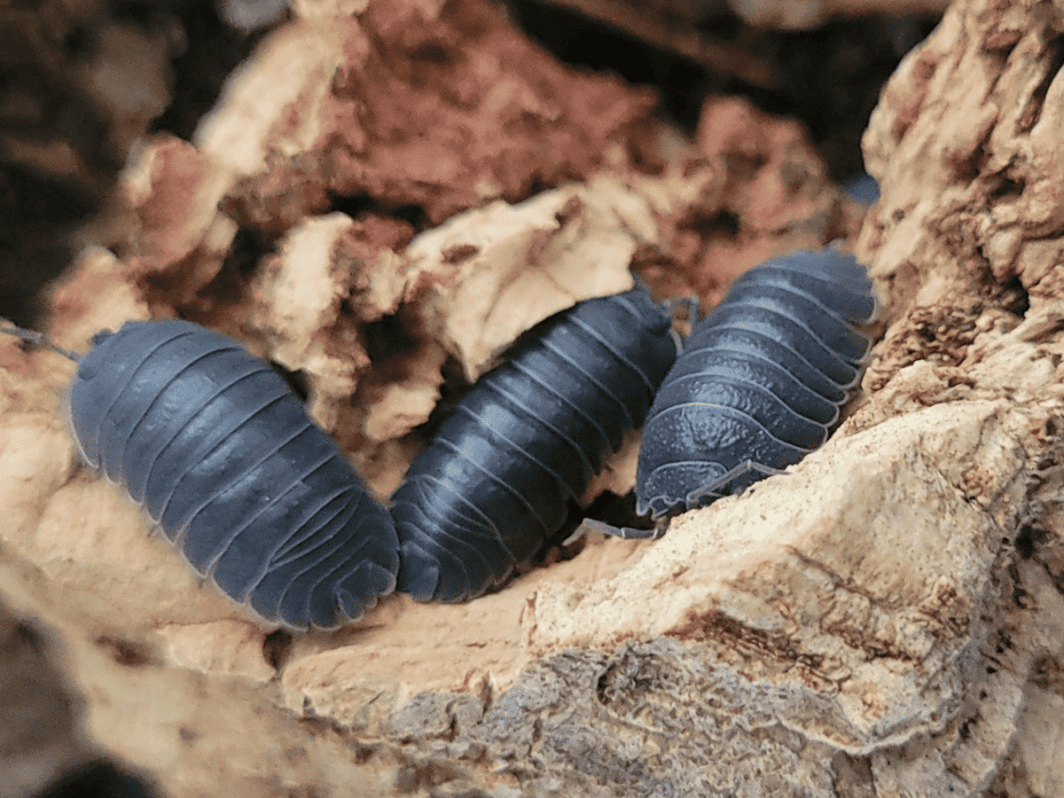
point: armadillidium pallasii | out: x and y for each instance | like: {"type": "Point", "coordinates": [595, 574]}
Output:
{"type": "Point", "coordinates": [760, 381]}
{"type": "Point", "coordinates": [496, 479]}
{"type": "Point", "coordinates": [227, 462]}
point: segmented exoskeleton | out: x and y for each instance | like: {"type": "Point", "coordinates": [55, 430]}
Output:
{"type": "Point", "coordinates": [759, 383]}
{"type": "Point", "coordinates": [495, 481]}
{"type": "Point", "coordinates": [228, 463]}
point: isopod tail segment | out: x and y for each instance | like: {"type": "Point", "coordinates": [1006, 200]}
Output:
{"type": "Point", "coordinates": [225, 459]}
{"type": "Point", "coordinates": [760, 382]}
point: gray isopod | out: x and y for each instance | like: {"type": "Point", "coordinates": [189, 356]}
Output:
{"type": "Point", "coordinates": [227, 462]}
{"type": "Point", "coordinates": [759, 383]}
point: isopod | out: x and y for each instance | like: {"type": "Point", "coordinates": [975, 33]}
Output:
{"type": "Point", "coordinates": [495, 480]}
{"type": "Point", "coordinates": [227, 462]}
{"type": "Point", "coordinates": [760, 381]}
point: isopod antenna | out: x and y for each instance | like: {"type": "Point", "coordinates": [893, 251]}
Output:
{"type": "Point", "coordinates": [39, 339]}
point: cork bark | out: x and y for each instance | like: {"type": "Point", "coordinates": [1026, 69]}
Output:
{"type": "Point", "coordinates": [885, 619]}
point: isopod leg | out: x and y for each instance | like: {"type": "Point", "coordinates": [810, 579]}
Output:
{"type": "Point", "coordinates": [689, 304]}
{"type": "Point", "coordinates": [625, 532]}
{"type": "Point", "coordinates": [712, 489]}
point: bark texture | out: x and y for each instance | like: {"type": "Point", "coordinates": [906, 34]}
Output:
{"type": "Point", "coordinates": [886, 619]}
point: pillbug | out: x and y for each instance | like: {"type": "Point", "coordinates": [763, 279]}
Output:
{"type": "Point", "coordinates": [227, 462]}
{"type": "Point", "coordinates": [495, 481]}
{"type": "Point", "coordinates": [863, 187]}
{"type": "Point", "coordinates": [759, 383]}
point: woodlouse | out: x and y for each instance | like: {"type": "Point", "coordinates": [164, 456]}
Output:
{"type": "Point", "coordinates": [226, 460]}
{"type": "Point", "coordinates": [759, 383]}
{"type": "Point", "coordinates": [496, 479]}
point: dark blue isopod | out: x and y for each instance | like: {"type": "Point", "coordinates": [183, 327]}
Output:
{"type": "Point", "coordinates": [760, 381]}
{"type": "Point", "coordinates": [863, 187]}
{"type": "Point", "coordinates": [228, 463]}
{"type": "Point", "coordinates": [495, 481]}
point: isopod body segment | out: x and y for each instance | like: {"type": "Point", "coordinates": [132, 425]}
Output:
{"type": "Point", "coordinates": [227, 462]}
{"type": "Point", "coordinates": [495, 481]}
{"type": "Point", "coordinates": [760, 381]}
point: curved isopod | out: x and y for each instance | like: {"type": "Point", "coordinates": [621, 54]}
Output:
{"type": "Point", "coordinates": [227, 462]}
{"type": "Point", "coordinates": [760, 381]}
{"type": "Point", "coordinates": [495, 481]}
